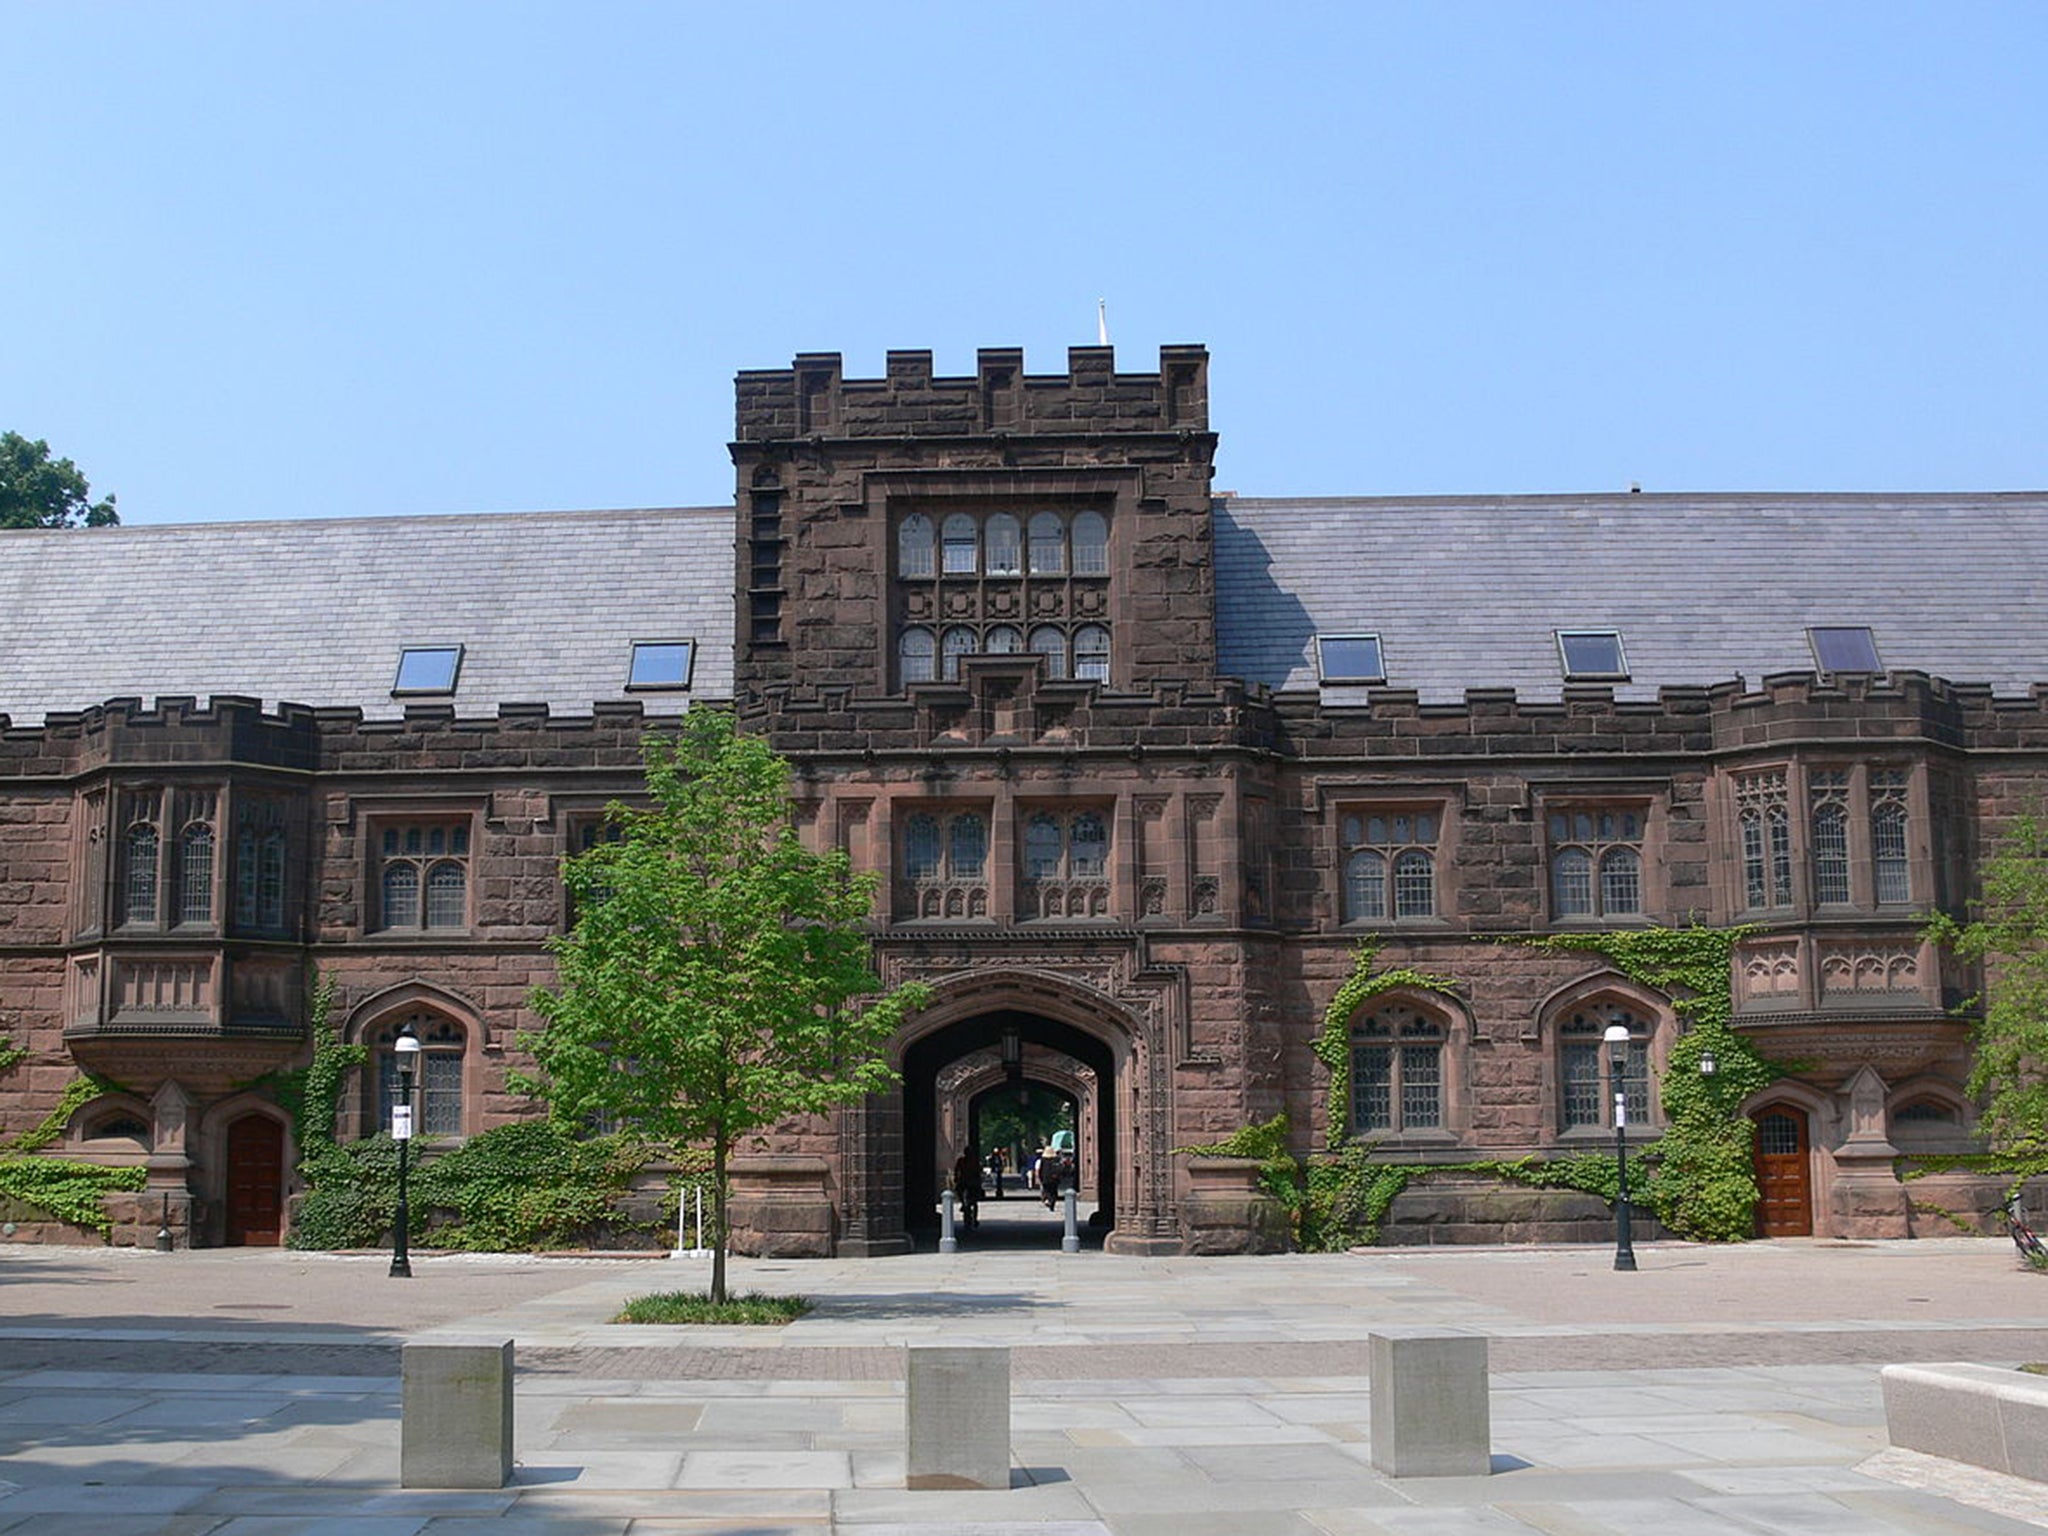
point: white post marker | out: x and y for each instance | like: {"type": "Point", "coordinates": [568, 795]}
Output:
{"type": "Point", "coordinates": [948, 1243]}
{"type": "Point", "coordinates": [1070, 1242]}
{"type": "Point", "coordinates": [682, 1215]}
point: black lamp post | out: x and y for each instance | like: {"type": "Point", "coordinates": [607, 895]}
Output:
{"type": "Point", "coordinates": [1617, 1065]}
{"type": "Point", "coordinates": [406, 1051]}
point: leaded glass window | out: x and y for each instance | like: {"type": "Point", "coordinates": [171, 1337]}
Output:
{"type": "Point", "coordinates": [1828, 795]}
{"type": "Point", "coordinates": [1890, 865]}
{"type": "Point", "coordinates": [1397, 1071]}
{"type": "Point", "coordinates": [1399, 877]}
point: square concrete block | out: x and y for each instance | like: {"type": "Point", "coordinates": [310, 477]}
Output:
{"type": "Point", "coordinates": [1949, 1410]}
{"type": "Point", "coordinates": [1430, 1414]}
{"type": "Point", "coordinates": [455, 1422]}
{"type": "Point", "coordinates": [957, 1418]}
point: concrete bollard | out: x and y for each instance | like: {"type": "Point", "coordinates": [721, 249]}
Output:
{"type": "Point", "coordinates": [957, 1417]}
{"type": "Point", "coordinates": [1070, 1238]}
{"type": "Point", "coordinates": [949, 1241]}
{"type": "Point", "coordinates": [1430, 1415]}
{"type": "Point", "coordinates": [455, 1422]}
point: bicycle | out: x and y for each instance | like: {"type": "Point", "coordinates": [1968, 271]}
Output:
{"type": "Point", "coordinates": [2030, 1246]}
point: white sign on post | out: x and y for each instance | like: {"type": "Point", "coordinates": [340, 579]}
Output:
{"type": "Point", "coordinates": [401, 1122]}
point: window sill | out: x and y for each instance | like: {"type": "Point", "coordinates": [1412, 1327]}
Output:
{"type": "Point", "coordinates": [1406, 1141]}
{"type": "Point", "coordinates": [1637, 1135]}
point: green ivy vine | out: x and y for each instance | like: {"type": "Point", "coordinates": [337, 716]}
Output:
{"type": "Point", "coordinates": [1333, 1043]}
{"type": "Point", "coordinates": [520, 1187]}
{"type": "Point", "coordinates": [70, 1192]}
{"type": "Point", "coordinates": [1698, 1176]}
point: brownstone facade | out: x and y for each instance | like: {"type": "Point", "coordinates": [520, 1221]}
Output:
{"type": "Point", "coordinates": [980, 616]}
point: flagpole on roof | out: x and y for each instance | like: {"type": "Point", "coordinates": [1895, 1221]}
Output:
{"type": "Point", "coordinates": [1102, 322]}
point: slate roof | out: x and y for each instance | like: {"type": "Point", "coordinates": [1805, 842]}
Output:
{"type": "Point", "coordinates": [545, 604]}
{"type": "Point", "coordinates": [1465, 592]}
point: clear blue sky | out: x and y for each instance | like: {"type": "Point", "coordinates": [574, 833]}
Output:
{"type": "Point", "coordinates": [283, 260]}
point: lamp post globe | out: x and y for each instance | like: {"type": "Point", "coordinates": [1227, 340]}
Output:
{"type": "Point", "coordinates": [1617, 1038]}
{"type": "Point", "coordinates": [405, 1052]}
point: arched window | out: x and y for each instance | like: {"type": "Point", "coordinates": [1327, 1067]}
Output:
{"type": "Point", "coordinates": [1596, 864]}
{"type": "Point", "coordinates": [1050, 643]}
{"type": "Point", "coordinates": [401, 895]}
{"type": "Point", "coordinates": [1829, 826]}
{"type": "Point", "coordinates": [921, 847]}
{"type": "Point", "coordinates": [1003, 539]}
{"type": "Point", "coordinates": [1048, 544]}
{"type": "Point", "coordinates": [1397, 1071]}
{"type": "Point", "coordinates": [914, 546]}
{"type": "Point", "coordinates": [917, 654]}
{"type": "Point", "coordinates": [1004, 640]}
{"type": "Point", "coordinates": [1414, 884]}
{"type": "Point", "coordinates": [437, 1081]}
{"type": "Point", "coordinates": [1401, 863]}
{"type": "Point", "coordinates": [961, 541]}
{"type": "Point", "coordinates": [1571, 883]}
{"type": "Point", "coordinates": [1890, 868]}
{"type": "Point", "coordinates": [1766, 840]}
{"type": "Point", "coordinates": [447, 896]}
{"type": "Point", "coordinates": [1365, 887]}
{"type": "Point", "coordinates": [1091, 653]}
{"type": "Point", "coordinates": [1621, 881]}
{"type": "Point", "coordinates": [195, 874]}
{"type": "Point", "coordinates": [1091, 544]}
{"type": "Point", "coordinates": [139, 874]}
{"type": "Point", "coordinates": [1043, 846]}
{"type": "Point", "coordinates": [1587, 1097]}
{"type": "Point", "coordinates": [967, 847]}
{"type": "Point", "coordinates": [259, 866]}
{"type": "Point", "coordinates": [958, 642]}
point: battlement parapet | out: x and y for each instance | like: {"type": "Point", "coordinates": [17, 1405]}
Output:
{"type": "Point", "coordinates": [812, 397]}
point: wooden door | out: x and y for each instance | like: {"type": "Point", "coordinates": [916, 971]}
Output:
{"type": "Point", "coordinates": [255, 1215]}
{"type": "Point", "coordinates": [1784, 1175]}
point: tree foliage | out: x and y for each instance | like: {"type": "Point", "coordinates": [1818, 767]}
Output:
{"type": "Point", "coordinates": [37, 491]}
{"type": "Point", "coordinates": [2009, 938]}
{"type": "Point", "coordinates": [718, 979]}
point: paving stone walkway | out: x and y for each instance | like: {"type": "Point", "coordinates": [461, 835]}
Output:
{"type": "Point", "coordinates": [1715, 1391]}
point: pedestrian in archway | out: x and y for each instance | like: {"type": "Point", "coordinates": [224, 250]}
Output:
{"type": "Point", "coordinates": [967, 1186]}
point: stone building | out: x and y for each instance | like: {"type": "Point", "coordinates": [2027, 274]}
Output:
{"type": "Point", "coordinates": [1142, 765]}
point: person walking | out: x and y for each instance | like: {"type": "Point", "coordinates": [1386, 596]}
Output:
{"type": "Point", "coordinates": [996, 1161]}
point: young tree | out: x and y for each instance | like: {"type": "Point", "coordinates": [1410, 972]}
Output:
{"type": "Point", "coordinates": [2009, 937]}
{"type": "Point", "coordinates": [717, 979]}
{"type": "Point", "coordinates": [37, 491]}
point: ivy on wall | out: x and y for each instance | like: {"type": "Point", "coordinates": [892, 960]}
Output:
{"type": "Point", "coordinates": [1697, 1177]}
{"type": "Point", "coordinates": [1333, 1043]}
{"type": "Point", "coordinates": [71, 1192]}
{"type": "Point", "coordinates": [530, 1185]}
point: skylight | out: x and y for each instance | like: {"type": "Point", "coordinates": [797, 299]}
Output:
{"type": "Point", "coordinates": [427, 669]}
{"type": "Point", "coordinates": [661, 664]}
{"type": "Point", "coordinates": [1350, 659]}
{"type": "Point", "coordinates": [1592, 655]}
{"type": "Point", "coordinates": [1845, 648]}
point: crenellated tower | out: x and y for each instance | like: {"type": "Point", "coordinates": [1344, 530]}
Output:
{"type": "Point", "coordinates": [889, 528]}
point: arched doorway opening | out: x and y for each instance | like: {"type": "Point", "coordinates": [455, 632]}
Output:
{"type": "Point", "coordinates": [952, 1075]}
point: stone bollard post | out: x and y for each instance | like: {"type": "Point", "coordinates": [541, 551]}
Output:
{"type": "Point", "coordinates": [455, 1422]}
{"type": "Point", "coordinates": [948, 1241]}
{"type": "Point", "coordinates": [1430, 1415]}
{"type": "Point", "coordinates": [1070, 1240]}
{"type": "Point", "coordinates": [957, 1417]}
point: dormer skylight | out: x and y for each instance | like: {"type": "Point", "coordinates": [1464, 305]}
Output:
{"type": "Point", "coordinates": [661, 664]}
{"type": "Point", "coordinates": [1350, 659]}
{"type": "Point", "coordinates": [427, 670]}
{"type": "Point", "coordinates": [1592, 656]}
{"type": "Point", "coordinates": [1844, 648]}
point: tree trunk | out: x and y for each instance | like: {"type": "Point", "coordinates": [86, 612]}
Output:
{"type": "Point", "coordinates": [718, 1192]}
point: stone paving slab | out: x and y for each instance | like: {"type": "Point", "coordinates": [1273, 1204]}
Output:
{"type": "Point", "coordinates": [1149, 1396]}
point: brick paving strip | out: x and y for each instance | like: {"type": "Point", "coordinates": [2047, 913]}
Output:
{"type": "Point", "coordinates": [1167, 1359]}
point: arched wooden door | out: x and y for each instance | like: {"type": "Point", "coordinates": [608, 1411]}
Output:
{"type": "Point", "coordinates": [255, 1206]}
{"type": "Point", "coordinates": [1784, 1175]}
